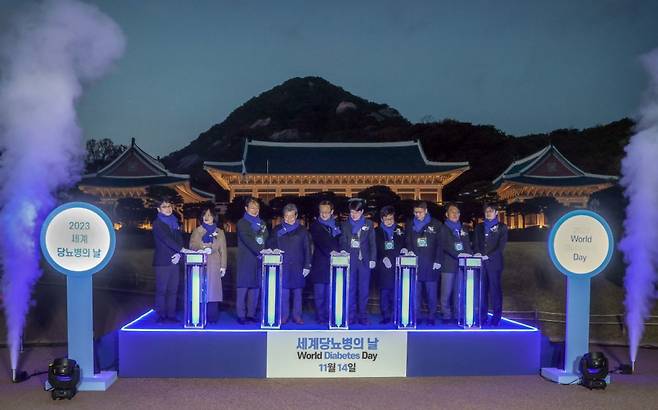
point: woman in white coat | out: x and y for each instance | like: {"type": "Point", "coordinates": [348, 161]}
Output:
{"type": "Point", "coordinates": [209, 235]}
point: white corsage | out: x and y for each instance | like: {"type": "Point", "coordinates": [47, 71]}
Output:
{"type": "Point", "coordinates": [364, 228]}
{"type": "Point", "coordinates": [398, 231]}
{"type": "Point", "coordinates": [494, 228]}
{"type": "Point", "coordinates": [430, 229]}
{"type": "Point", "coordinates": [463, 233]}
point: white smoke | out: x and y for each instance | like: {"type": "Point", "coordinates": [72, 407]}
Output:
{"type": "Point", "coordinates": [47, 54]}
{"type": "Point", "coordinates": [640, 182]}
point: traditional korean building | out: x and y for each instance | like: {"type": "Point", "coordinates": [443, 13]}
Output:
{"type": "Point", "coordinates": [131, 173]}
{"type": "Point", "coordinates": [272, 169]}
{"type": "Point", "coordinates": [546, 173]}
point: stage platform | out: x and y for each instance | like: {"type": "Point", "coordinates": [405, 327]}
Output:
{"type": "Point", "coordinates": [228, 349]}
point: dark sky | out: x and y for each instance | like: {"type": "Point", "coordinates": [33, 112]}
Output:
{"type": "Point", "coordinates": [523, 66]}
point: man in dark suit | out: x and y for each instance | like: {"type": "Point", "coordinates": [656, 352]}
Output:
{"type": "Point", "coordinates": [252, 234]}
{"type": "Point", "coordinates": [390, 241]}
{"type": "Point", "coordinates": [455, 242]}
{"type": "Point", "coordinates": [490, 240]}
{"type": "Point", "coordinates": [358, 238]}
{"type": "Point", "coordinates": [424, 239]}
{"type": "Point", "coordinates": [295, 242]}
{"type": "Point", "coordinates": [168, 241]}
{"type": "Point", "coordinates": [325, 233]}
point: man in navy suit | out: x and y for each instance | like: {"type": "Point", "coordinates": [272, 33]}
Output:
{"type": "Point", "coordinates": [168, 241]}
{"type": "Point", "coordinates": [358, 238]}
{"type": "Point", "coordinates": [325, 233]}
{"type": "Point", "coordinates": [455, 243]}
{"type": "Point", "coordinates": [490, 241]}
{"type": "Point", "coordinates": [295, 242]}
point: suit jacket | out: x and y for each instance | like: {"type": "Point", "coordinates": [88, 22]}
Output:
{"type": "Point", "coordinates": [427, 255]}
{"type": "Point", "coordinates": [296, 246]}
{"type": "Point", "coordinates": [450, 245]}
{"type": "Point", "coordinates": [492, 245]}
{"type": "Point", "coordinates": [167, 243]}
{"type": "Point", "coordinates": [366, 236]}
{"type": "Point", "coordinates": [323, 244]}
{"type": "Point", "coordinates": [248, 272]}
{"type": "Point", "coordinates": [386, 276]}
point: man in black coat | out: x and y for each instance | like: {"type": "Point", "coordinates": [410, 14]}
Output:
{"type": "Point", "coordinates": [358, 238]}
{"type": "Point", "coordinates": [390, 241]}
{"type": "Point", "coordinates": [489, 242]}
{"type": "Point", "coordinates": [423, 235]}
{"type": "Point", "coordinates": [168, 241]}
{"type": "Point", "coordinates": [252, 234]}
{"type": "Point", "coordinates": [295, 242]}
{"type": "Point", "coordinates": [325, 233]}
{"type": "Point", "coordinates": [455, 242]}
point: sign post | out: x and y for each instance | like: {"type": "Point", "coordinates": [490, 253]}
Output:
{"type": "Point", "coordinates": [78, 240]}
{"type": "Point", "coordinates": [580, 246]}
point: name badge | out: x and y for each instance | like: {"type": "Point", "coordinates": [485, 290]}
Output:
{"type": "Point", "coordinates": [459, 246]}
{"type": "Point", "coordinates": [259, 240]}
{"type": "Point", "coordinates": [422, 242]}
{"type": "Point", "coordinates": [355, 243]}
{"type": "Point", "coordinates": [388, 245]}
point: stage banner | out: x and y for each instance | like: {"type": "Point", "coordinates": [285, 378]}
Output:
{"type": "Point", "coordinates": [336, 353]}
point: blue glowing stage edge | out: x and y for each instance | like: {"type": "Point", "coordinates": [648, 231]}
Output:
{"type": "Point", "coordinates": [513, 348]}
{"type": "Point", "coordinates": [146, 323]}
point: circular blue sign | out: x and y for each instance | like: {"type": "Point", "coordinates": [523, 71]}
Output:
{"type": "Point", "coordinates": [581, 244]}
{"type": "Point", "coordinates": [77, 239]}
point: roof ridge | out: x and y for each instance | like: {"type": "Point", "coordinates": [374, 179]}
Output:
{"type": "Point", "coordinates": [405, 143]}
{"type": "Point", "coordinates": [141, 153]}
{"type": "Point", "coordinates": [534, 157]}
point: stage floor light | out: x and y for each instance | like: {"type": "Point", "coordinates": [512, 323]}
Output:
{"type": "Point", "coordinates": [63, 377]}
{"type": "Point", "coordinates": [594, 370]}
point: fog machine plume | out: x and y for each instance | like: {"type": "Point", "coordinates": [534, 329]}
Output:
{"type": "Point", "coordinates": [48, 53]}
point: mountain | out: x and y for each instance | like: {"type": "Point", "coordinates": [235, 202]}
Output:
{"type": "Point", "coordinates": [312, 109]}
{"type": "Point", "coordinates": [300, 109]}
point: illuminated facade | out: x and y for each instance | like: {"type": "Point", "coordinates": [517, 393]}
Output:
{"type": "Point", "coordinates": [129, 176]}
{"type": "Point", "coordinates": [546, 173]}
{"type": "Point", "coordinates": [272, 169]}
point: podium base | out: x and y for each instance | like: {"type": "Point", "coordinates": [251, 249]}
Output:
{"type": "Point", "coordinates": [563, 377]}
{"type": "Point", "coordinates": [98, 382]}
{"type": "Point", "coordinates": [241, 351]}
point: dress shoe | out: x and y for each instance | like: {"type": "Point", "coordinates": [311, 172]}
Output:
{"type": "Point", "coordinates": [252, 319]}
{"type": "Point", "coordinates": [161, 319]}
{"type": "Point", "coordinates": [384, 321]}
{"type": "Point", "coordinates": [364, 321]}
{"type": "Point", "coordinates": [298, 320]}
{"type": "Point", "coordinates": [284, 321]}
{"type": "Point", "coordinates": [173, 320]}
{"type": "Point", "coordinates": [242, 321]}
